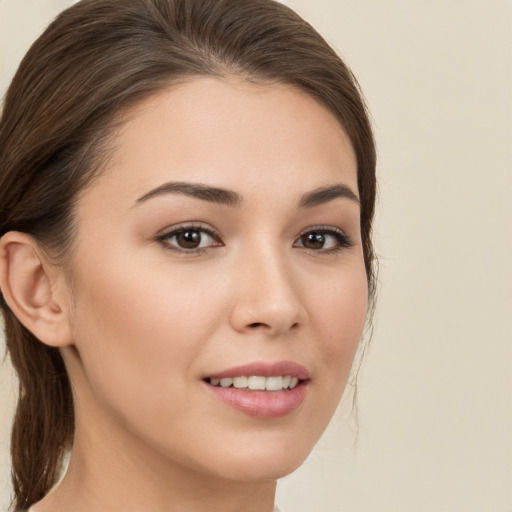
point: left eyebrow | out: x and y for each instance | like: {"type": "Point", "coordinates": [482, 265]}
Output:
{"type": "Point", "coordinates": [325, 194]}
{"type": "Point", "coordinates": [196, 190]}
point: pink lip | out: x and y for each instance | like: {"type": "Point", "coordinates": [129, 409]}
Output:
{"type": "Point", "coordinates": [264, 370]}
{"type": "Point", "coordinates": [262, 404]}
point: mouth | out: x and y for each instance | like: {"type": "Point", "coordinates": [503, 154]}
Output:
{"type": "Point", "coordinates": [256, 382]}
{"type": "Point", "coordinates": [261, 390]}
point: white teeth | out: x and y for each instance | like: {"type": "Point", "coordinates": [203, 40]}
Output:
{"type": "Point", "coordinates": [256, 382]}
{"type": "Point", "coordinates": [274, 383]}
{"type": "Point", "coordinates": [240, 382]}
{"type": "Point", "coordinates": [226, 382]}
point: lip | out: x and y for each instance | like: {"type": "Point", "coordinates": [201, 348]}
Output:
{"type": "Point", "coordinates": [264, 369]}
{"type": "Point", "coordinates": [262, 404]}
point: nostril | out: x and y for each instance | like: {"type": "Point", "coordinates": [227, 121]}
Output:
{"type": "Point", "coordinates": [256, 325]}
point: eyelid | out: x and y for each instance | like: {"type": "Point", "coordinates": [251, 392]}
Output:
{"type": "Point", "coordinates": [198, 225]}
{"type": "Point", "coordinates": [344, 240]}
{"type": "Point", "coordinates": [323, 228]}
{"type": "Point", "coordinates": [171, 231]}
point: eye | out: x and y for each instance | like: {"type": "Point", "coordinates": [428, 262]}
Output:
{"type": "Point", "coordinates": [326, 240]}
{"type": "Point", "coordinates": [190, 239]}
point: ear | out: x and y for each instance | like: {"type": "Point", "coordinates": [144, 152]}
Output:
{"type": "Point", "coordinates": [33, 289]}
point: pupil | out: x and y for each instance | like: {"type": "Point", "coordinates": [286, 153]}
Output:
{"type": "Point", "coordinates": [189, 239]}
{"type": "Point", "coordinates": [313, 240]}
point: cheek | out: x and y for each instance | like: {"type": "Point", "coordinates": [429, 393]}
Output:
{"type": "Point", "coordinates": [341, 315]}
{"type": "Point", "coordinates": [134, 322]}
{"type": "Point", "coordinates": [343, 308]}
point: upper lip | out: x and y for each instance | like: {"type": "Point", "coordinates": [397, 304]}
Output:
{"type": "Point", "coordinates": [264, 369]}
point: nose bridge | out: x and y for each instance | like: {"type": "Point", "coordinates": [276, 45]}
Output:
{"type": "Point", "coordinates": [268, 297]}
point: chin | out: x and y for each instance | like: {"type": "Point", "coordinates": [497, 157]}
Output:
{"type": "Point", "coordinates": [268, 462]}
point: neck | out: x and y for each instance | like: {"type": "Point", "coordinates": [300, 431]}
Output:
{"type": "Point", "coordinates": [121, 482]}
{"type": "Point", "coordinates": [111, 469]}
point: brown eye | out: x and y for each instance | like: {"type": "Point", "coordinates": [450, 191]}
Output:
{"type": "Point", "coordinates": [313, 240]}
{"type": "Point", "coordinates": [190, 239]}
{"type": "Point", "coordinates": [324, 240]}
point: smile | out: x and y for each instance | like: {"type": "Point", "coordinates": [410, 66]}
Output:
{"type": "Point", "coordinates": [256, 382]}
{"type": "Point", "coordinates": [260, 389]}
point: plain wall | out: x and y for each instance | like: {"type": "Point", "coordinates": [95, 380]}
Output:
{"type": "Point", "coordinates": [435, 425]}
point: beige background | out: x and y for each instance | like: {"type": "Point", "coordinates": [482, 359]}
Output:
{"type": "Point", "coordinates": [435, 393]}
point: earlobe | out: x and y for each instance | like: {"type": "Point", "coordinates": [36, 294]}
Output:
{"type": "Point", "coordinates": [29, 289]}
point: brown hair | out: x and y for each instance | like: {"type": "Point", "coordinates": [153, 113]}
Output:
{"type": "Point", "coordinates": [94, 61]}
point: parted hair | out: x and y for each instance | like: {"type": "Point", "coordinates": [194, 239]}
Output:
{"type": "Point", "coordinates": [94, 61]}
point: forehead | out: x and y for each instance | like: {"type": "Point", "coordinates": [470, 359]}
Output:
{"type": "Point", "coordinates": [227, 133]}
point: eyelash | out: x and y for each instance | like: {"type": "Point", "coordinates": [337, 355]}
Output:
{"type": "Point", "coordinates": [343, 240]}
{"type": "Point", "coordinates": [164, 237]}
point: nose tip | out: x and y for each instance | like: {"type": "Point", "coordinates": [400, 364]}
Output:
{"type": "Point", "coordinates": [269, 301]}
{"type": "Point", "coordinates": [271, 321]}
{"type": "Point", "coordinates": [274, 326]}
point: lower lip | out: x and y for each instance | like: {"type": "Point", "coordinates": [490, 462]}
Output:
{"type": "Point", "coordinates": [261, 404]}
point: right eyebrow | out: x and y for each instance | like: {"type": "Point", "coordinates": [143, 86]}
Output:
{"type": "Point", "coordinates": [325, 194]}
{"type": "Point", "coordinates": [197, 190]}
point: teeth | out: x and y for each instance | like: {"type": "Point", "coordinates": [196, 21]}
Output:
{"type": "Point", "coordinates": [274, 383]}
{"type": "Point", "coordinates": [256, 382]}
{"type": "Point", "coordinates": [240, 382]}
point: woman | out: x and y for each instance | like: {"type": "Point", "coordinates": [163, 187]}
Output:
{"type": "Point", "coordinates": [187, 190]}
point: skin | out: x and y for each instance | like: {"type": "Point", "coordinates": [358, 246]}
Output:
{"type": "Point", "coordinates": [146, 321]}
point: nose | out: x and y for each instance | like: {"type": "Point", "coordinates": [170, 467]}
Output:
{"type": "Point", "coordinates": [268, 297]}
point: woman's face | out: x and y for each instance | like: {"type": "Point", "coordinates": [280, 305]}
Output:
{"type": "Point", "coordinates": [222, 241]}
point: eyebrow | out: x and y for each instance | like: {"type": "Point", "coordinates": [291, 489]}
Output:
{"type": "Point", "coordinates": [230, 198]}
{"type": "Point", "coordinates": [325, 194]}
{"type": "Point", "coordinates": [197, 190]}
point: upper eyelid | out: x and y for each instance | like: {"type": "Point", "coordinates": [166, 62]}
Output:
{"type": "Point", "coordinates": [214, 232]}
{"type": "Point", "coordinates": [327, 230]}
{"type": "Point", "coordinates": [322, 227]}
{"type": "Point", "coordinates": [199, 226]}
